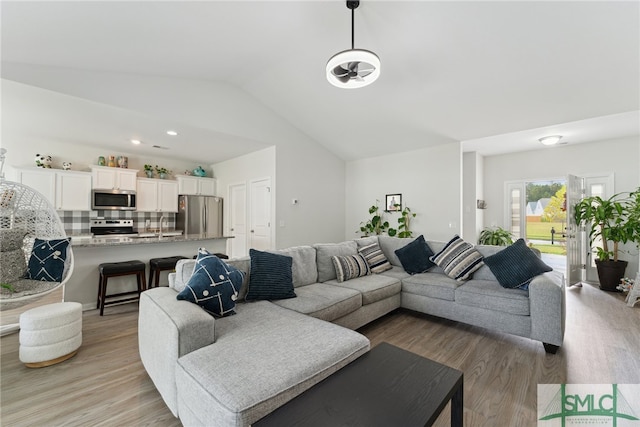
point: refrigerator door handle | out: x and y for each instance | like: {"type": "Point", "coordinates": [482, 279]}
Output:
{"type": "Point", "coordinates": [205, 219]}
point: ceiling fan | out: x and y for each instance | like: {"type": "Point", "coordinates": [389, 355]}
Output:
{"type": "Point", "coordinates": [353, 68]}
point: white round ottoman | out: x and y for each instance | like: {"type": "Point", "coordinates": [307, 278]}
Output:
{"type": "Point", "coordinates": [50, 334]}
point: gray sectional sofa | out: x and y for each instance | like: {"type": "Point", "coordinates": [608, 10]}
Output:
{"type": "Point", "coordinates": [234, 370]}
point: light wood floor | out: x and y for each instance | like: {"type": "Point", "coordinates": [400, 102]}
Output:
{"type": "Point", "coordinates": [106, 385]}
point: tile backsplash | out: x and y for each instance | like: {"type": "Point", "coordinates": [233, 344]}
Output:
{"type": "Point", "coordinates": [76, 222]}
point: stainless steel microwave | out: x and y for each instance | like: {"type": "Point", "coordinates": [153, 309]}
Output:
{"type": "Point", "coordinates": [115, 200]}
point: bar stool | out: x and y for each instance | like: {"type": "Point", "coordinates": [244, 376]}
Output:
{"type": "Point", "coordinates": [115, 269]}
{"type": "Point", "coordinates": [156, 265]}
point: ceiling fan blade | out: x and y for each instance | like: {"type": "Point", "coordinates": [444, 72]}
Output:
{"type": "Point", "coordinates": [353, 66]}
{"type": "Point", "coordinates": [339, 71]}
{"type": "Point", "coordinates": [358, 78]}
{"type": "Point", "coordinates": [343, 79]}
{"type": "Point", "coordinates": [365, 73]}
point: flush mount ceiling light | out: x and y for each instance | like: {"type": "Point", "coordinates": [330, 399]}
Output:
{"type": "Point", "coordinates": [353, 68]}
{"type": "Point", "coordinates": [172, 133]}
{"type": "Point", "coordinates": [136, 141]}
{"type": "Point", "coordinates": [550, 140]}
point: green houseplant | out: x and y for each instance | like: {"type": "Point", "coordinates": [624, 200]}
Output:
{"type": "Point", "coordinates": [148, 170]}
{"type": "Point", "coordinates": [614, 220]}
{"type": "Point", "coordinates": [162, 172]}
{"type": "Point", "coordinates": [375, 225]}
{"type": "Point", "coordinates": [404, 223]}
{"type": "Point", "coordinates": [496, 236]}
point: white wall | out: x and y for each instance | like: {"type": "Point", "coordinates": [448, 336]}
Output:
{"type": "Point", "coordinates": [619, 156]}
{"type": "Point", "coordinates": [472, 190]}
{"type": "Point", "coordinates": [428, 179]}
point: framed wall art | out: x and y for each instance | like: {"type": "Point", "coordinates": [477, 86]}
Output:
{"type": "Point", "coordinates": [393, 203]}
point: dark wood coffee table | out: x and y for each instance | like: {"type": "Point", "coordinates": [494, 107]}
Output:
{"type": "Point", "coordinates": [388, 386]}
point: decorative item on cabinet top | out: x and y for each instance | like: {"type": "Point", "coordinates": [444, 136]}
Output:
{"type": "Point", "coordinates": [199, 172]}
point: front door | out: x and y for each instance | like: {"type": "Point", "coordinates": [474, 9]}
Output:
{"type": "Point", "coordinates": [576, 254]}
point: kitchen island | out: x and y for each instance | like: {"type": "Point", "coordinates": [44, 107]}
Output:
{"type": "Point", "coordinates": [89, 252]}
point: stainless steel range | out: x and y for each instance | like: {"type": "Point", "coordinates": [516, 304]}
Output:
{"type": "Point", "coordinates": [113, 227]}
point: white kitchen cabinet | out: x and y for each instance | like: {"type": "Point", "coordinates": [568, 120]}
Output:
{"type": "Point", "coordinates": [107, 178]}
{"type": "Point", "coordinates": [66, 190]}
{"type": "Point", "coordinates": [156, 195]}
{"type": "Point", "coordinates": [196, 185]}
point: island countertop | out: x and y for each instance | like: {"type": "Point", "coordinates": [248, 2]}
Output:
{"type": "Point", "coordinates": [96, 241]}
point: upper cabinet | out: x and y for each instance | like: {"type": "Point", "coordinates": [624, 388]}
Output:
{"type": "Point", "coordinates": [108, 178]}
{"type": "Point", "coordinates": [196, 185]}
{"type": "Point", "coordinates": [157, 195]}
{"type": "Point", "coordinates": [66, 190]}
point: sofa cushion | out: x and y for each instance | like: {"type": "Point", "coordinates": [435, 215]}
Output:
{"type": "Point", "coordinates": [458, 259]}
{"type": "Point", "coordinates": [375, 258]}
{"type": "Point", "coordinates": [373, 288]}
{"type": "Point", "coordinates": [389, 245]}
{"type": "Point", "coordinates": [432, 285]}
{"type": "Point", "coordinates": [243, 264]}
{"type": "Point", "coordinates": [516, 265]}
{"type": "Point", "coordinates": [350, 266]}
{"type": "Point", "coordinates": [271, 276]}
{"type": "Point", "coordinates": [366, 241]}
{"type": "Point", "coordinates": [184, 271]}
{"type": "Point", "coordinates": [490, 295]}
{"type": "Point", "coordinates": [47, 260]}
{"type": "Point", "coordinates": [214, 285]}
{"type": "Point", "coordinates": [324, 252]}
{"type": "Point", "coordinates": [304, 267]}
{"type": "Point", "coordinates": [414, 257]}
{"type": "Point", "coordinates": [396, 273]}
{"type": "Point", "coordinates": [323, 301]}
{"type": "Point", "coordinates": [262, 358]}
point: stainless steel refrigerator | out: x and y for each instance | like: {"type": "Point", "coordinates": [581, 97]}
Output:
{"type": "Point", "coordinates": [200, 215]}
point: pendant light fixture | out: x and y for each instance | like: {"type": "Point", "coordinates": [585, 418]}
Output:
{"type": "Point", "coordinates": [353, 68]}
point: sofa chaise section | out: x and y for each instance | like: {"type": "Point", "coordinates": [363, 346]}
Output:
{"type": "Point", "coordinates": [263, 357]}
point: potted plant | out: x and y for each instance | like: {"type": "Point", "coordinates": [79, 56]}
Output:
{"type": "Point", "coordinates": [496, 236]}
{"type": "Point", "coordinates": [162, 172]}
{"type": "Point", "coordinates": [614, 220]}
{"type": "Point", "coordinates": [376, 225]}
{"type": "Point", "coordinates": [148, 170]}
{"type": "Point", "coordinates": [404, 223]}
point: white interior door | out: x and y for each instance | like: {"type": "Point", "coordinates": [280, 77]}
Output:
{"type": "Point", "coordinates": [576, 254]}
{"type": "Point", "coordinates": [260, 214]}
{"type": "Point", "coordinates": [238, 220]}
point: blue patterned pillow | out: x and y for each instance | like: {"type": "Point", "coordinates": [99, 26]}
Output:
{"type": "Point", "coordinates": [458, 259]}
{"type": "Point", "coordinates": [414, 257]}
{"type": "Point", "coordinates": [214, 285]}
{"type": "Point", "coordinates": [47, 260]}
{"type": "Point", "coordinates": [516, 265]}
{"type": "Point", "coordinates": [270, 277]}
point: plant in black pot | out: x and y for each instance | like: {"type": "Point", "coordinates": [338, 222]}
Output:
{"type": "Point", "coordinates": [614, 220]}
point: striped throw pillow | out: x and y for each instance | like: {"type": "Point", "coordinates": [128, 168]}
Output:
{"type": "Point", "coordinates": [350, 266]}
{"type": "Point", "coordinates": [458, 259]}
{"type": "Point", "coordinates": [375, 258]}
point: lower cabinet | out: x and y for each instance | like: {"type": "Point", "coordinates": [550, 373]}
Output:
{"type": "Point", "coordinates": [156, 195]}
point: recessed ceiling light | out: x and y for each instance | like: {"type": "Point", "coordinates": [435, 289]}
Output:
{"type": "Point", "coordinates": [136, 141]}
{"type": "Point", "coordinates": [172, 132]}
{"type": "Point", "coordinates": [550, 140]}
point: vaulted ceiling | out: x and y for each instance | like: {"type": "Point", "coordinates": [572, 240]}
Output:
{"type": "Point", "coordinates": [451, 71]}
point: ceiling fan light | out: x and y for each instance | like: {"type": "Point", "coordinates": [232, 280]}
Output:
{"type": "Point", "coordinates": [550, 140]}
{"type": "Point", "coordinates": [367, 59]}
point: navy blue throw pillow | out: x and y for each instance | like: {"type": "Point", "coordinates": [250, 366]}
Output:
{"type": "Point", "coordinates": [271, 276]}
{"type": "Point", "coordinates": [47, 260]}
{"type": "Point", "coordinates": [516, 265]}
{"type": "Point", "coordinates": [214, 285]}
{"type": "Point", "coordinates": [414, 257]}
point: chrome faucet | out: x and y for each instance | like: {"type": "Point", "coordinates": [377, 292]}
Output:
{"type": "Point", "coordinates": [161, 221]}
